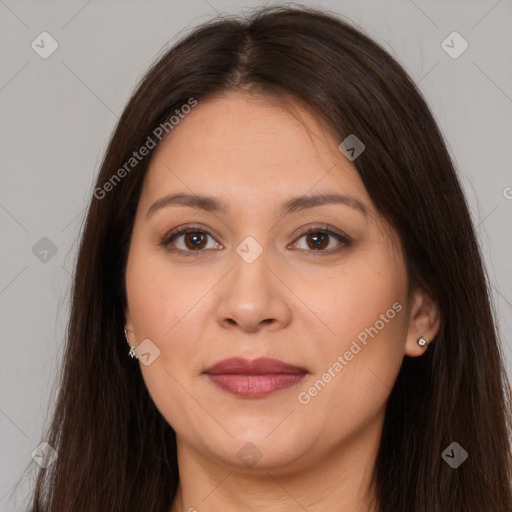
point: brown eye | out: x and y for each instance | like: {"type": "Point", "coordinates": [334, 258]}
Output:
{"type": "Point", "coordinates": [317, 240]}
{"type": "Point", "coordinates": [323, 240]}
{"type": "Point", "coordinates": [190, 241]}
{"type": "Point", "coordinates": [195, 240]}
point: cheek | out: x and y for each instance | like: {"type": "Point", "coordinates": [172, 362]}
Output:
{"type": "Point", "coordinates": [158, 311]}
{"type": "Point", "coordinates": [165, 307]}
{"type": "Point", "coordinates": [365, 294]}
{"type": "Point", "coordinates": [160, 298]}
{"type": "Point", "coordinates": [365, 310]}
{"type": "Point", "coordinates": [355, 374]}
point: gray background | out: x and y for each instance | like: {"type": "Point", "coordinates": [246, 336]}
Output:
{"type": "Point", "coordinates": [58, 113]}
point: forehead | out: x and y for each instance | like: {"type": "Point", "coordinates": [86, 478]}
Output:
{"type": "Point", "coordinates": [239, 144]}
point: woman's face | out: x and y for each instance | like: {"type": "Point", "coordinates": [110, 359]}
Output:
{"type": "Point", "coordinates": [333, 304]}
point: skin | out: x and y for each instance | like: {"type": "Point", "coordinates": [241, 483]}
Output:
{"type": "Point", "coordinates": [302, 305]}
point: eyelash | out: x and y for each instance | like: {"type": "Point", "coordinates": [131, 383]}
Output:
{"type": "Point", "coordinates": [324, 229]}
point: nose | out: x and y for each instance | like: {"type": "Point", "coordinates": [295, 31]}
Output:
{"type": "Point", "coordinates": [254, 297]}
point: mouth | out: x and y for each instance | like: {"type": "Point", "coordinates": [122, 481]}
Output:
{"type": "Point", "coordinates": [256, 378]}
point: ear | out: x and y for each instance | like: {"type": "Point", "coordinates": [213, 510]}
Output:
{"type": "Point", "coordinates": [424, 321]}
{"type": "Point", "coordinates": [128, 326]}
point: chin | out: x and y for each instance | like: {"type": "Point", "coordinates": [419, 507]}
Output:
{"type": "Point", "coordinates": [253, 450]}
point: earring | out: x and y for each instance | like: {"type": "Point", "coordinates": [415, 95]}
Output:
{"type": "Point", "coordinates": [422, 342]}
{"type": "Point", "coordinates": [132, 352]}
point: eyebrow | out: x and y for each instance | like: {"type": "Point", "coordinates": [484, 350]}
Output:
{"type": "Point", "coordinates": [213, 204]}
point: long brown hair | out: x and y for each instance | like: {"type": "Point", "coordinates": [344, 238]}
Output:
{"type": "Point", "coordinates": [115, 450]}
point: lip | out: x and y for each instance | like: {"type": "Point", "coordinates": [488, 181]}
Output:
{"type": "Point", "coordinates": [254, 378]}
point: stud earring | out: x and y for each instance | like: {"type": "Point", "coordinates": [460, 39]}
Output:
{"type": "Point", "coordinates": [422, 342]}
{"type": "Point", "coordinates": [132, 352]}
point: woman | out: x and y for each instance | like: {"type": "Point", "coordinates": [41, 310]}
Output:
{"type": "Point", "coordinates": [279, 241]}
